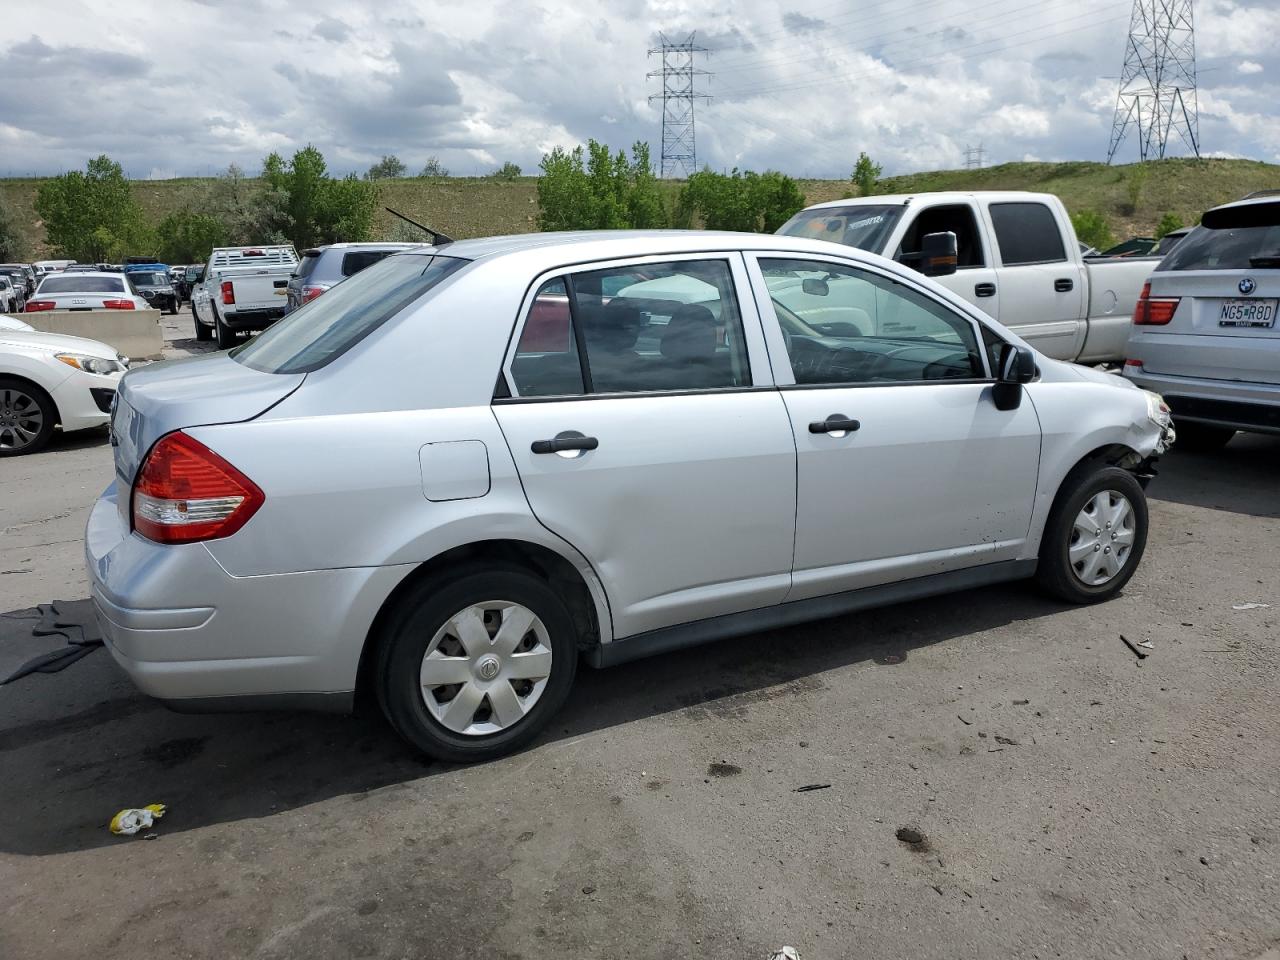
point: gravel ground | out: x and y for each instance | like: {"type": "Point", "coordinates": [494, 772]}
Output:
{"type": "Point", "coordinates": [1073, 800]}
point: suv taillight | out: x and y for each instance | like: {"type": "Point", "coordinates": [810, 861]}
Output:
{"type": "Point", "coordinates": [1154, 311]}
{"type": "Point", "coordinates": [185, 492]}
{"type": "Point", "coordinates": [312, 290]}
{"type": "Point", "coordinates": [228, 292]}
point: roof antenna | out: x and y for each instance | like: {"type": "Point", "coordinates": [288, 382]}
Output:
{"type": "Point", "coordinates": [438, 239]}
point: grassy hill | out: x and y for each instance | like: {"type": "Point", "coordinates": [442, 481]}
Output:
{"type": "Point", "coordinates": [471, 207]}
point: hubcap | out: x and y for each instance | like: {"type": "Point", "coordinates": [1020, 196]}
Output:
{"type": "Point", "coordinates": [486, 668]}
{"type": "Point", "coordinates": [1102, 538]}
{"type": "Point", "coordinates": [21, 419]}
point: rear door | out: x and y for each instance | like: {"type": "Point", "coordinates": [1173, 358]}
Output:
{"type": "Point", "coordinates": [1041, 283]}
{"type": "Point", "coordinates": [975, 277]}
{"type": "Point", "coordinates": [638, 404]}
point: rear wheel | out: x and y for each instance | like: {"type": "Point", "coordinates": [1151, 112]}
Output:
{"type": "Point", "coordinates": [226, 336]}
{"type": "Point", "coordinates": [27, 417]}
{"type": "Point", "coordinates": [1095, 535]}
{"type": "Point", "coordinates": [1201, 437]}
{"type": "Point", "coordinates": [474, 667]}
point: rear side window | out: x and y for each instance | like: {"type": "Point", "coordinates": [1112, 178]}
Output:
{"type": "Point", "coordinates": [81, 284]}
{"type": "Point", "coordinates": [1238, 248]}
{"type": "Point", "coordinates": [1027, 233]}
{"type": "Point", "coordinates": [329, 326]}
{"type": "Point", "coordinates": [357, 260]}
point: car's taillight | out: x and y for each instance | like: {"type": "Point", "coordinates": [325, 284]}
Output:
{"type": "Point", "coordinates": [228, 292]}
{"type": "Point", "coordinates": [311, 291]}
{"type": "Point", "coordinates": [1133, 363]}
{"type": "Point", "coordinates": [35, 306]}
{"type": "Point", "coordinates": [1154, 311]}
{"type": "Point", "coordinates": [118, 304]}
{"type": "Point", "coordinates": [185, 492]}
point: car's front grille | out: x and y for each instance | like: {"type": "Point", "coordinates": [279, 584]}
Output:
{"type": "Point", "coordinates": [103, 396]}
{"type": "Point", "coordinates": [1225, 411]}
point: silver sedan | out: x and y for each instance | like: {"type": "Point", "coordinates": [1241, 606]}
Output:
{"type": "Point", "coordinates": [468, 467]}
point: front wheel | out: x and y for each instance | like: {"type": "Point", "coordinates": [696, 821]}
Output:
{"type": "Point", "coordinates": [473, 668]}
{"type": "Point", "coordinates": [27, 417]}
{"type": "Point", "coordinates": [1095, 535]}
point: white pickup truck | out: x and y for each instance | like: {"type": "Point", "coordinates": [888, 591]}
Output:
{"type": "Point", "coordinates": [1018, 260]}
{"type": "Point", "coordinates": [244, 289]}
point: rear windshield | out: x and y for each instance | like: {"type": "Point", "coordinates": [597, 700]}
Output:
{"type": "Point", "coordinates": [81, 284]}
{"type": "Point", "coordinates": [307, 265]}
{"type": "Point", "coordinates": [1238, 248]}
{"type": "Point", "coordinates": [329, 326]}
{"type": "Point", "coordinates": [865, 226]}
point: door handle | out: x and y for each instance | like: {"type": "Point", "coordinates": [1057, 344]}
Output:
{"type": "Point", "coordinates": [568, 440]}
{"type": "Point", "coordinates": [836, 423]}
{"type": "Point", "coordinates": [984, 289]}
{"type": "Point", "coordinates": [1063, 285]}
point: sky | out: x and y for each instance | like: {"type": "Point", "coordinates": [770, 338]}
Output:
{"type": "Point", "coordinates": [186, 87]}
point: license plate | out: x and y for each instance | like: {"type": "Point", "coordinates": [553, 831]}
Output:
{"type": "Point", "coordinates": [1259, 314]}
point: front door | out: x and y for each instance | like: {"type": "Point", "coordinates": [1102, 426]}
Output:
{"type": "Point", "coordinates": [647, 435]}
{"type": "Point", "coordinates": [975, 276]}
{"type": "Point", "coordinates": [906, 468]}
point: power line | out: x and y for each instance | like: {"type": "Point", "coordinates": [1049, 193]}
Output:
{"type": "Point", "coordinates": [678, 75]}
{"type": "Point", "coordinates": [974, 157]}
{"type": "Point", "coordinates": [1157, 93]}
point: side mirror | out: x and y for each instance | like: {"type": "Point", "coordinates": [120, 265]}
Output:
{"type": "Point", "coordinates": [815, 286]}
{"type": "Point", "coordinates": [938, 254]}
{"type": "Point", "coordinates": [1017, 366]}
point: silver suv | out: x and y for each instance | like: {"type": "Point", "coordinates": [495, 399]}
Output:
{"type": "Point", "coordinates": [463, 469]}
{"type": "Point", "coordinates": [1204, 332]}
{"type": "Point", "coordinates": [320, 268]}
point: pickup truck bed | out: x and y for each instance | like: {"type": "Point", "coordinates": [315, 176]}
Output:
{"type": "Point", "coordinates": [244, 289]}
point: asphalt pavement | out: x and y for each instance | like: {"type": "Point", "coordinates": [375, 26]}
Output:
{"type": "Point", "coordinates": [988, 774]}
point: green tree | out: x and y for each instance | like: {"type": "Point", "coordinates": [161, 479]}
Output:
{"type": "Point", "coordinates": [866, 174]}
{"type": "Point", "coordinates": [1092, 228]}
{"type": "Point", "coordinates": [187, 237]}
{"type": "Point", "coordinates": [11, 245]}
{"type": "Point", "coordinates": [92, 216]}
{"type": "Point", "coordinates": [434, 168]}
{"type": "Point", "coordinates": [1135, 182]}
{"type": "Point", "coordinates": [1168, 223]}
{"type": "Point", "coordinates": [508, 171]}
{"type": "Point", "coordinates": [313, 208]}
{"type": "Point", "coordinates": [746, 201]}
{"type": "Point", "coordinates": [390, 167]}
{"type": "Point", "coordinates": [598, 189]}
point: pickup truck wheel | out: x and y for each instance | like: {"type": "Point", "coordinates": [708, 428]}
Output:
{"type": "Point", "coordinates": [1201, 437]}
{"type": "Point", "coordinates": [27, 417]}
{"type": "Point", "coordinates": [1095, 535]}
{"type": "Point", "coordinates": [472, 668]}
{"type": "Point", "coordinates": [226, 336]}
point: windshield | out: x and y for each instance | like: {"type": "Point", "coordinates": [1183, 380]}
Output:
{"type": "Point", "coordinates": [81, 284]}
{"type": "Point", "coordinates": [865, 226]}
{"type": "Point", "coordinates": [329, 326]}
{"type": "Point", "coordinates": [141, 279]}
{"type": "Point", "coordinates": [1239, 248]}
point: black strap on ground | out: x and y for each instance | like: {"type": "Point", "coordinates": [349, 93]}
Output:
{"type": "Point", "coordinates": [72, 620]}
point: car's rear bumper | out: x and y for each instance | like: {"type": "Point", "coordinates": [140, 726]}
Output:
{"type": "Point", "coordinates": [252, 319]}
{"type": "Point", "coordinates": [189, 633]}
{"type": "Point", "coordinates": [1228, 403]}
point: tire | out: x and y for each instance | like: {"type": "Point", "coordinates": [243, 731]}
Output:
{"type": "Point", "coordinates": [1084, 497]}
{"type": "Point", "coordinates": [225, 335]}
{"type": "Point", "coordinates": [27, 417]}
{"type": "Point", "coordinates": [1201, 437]}
{"type": "Point", "coordinates": [423, 623]}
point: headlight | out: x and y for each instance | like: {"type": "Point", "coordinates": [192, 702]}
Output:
{"type": "Point", "coordinates": [1158, 411]}
{"type": "Point", "coordinates": [91, 364]}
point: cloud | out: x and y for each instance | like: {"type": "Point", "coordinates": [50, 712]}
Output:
{"type": "Point", "coordinates": [1248, 66]}
{"type": "Point", "coordinates": [799, 23]}
{"type": "Point", "coordinates": [331, 29]}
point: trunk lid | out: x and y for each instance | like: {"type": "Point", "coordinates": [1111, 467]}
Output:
{"type": "Point", "coordinates": [198, 391]}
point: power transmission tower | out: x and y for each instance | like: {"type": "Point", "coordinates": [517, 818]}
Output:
{"type": "Point", "coordinates": [678, 74]}
{"type": "Point", "coordinates": [974, 157]}
{"type": "Point", "coordinates": [1157, 92]}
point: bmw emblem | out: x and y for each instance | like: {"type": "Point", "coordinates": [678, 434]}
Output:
{"type": "Point", "coordinates": [1247, 286]}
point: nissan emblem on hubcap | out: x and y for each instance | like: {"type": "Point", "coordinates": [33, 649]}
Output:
{"type": "Point", "coordinates": [489, 668]}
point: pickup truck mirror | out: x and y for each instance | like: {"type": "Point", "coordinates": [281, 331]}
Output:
{"type": "Point", "coordinates": [1017, 366]}
{"type": "Point", "coordinates": [938, 254]}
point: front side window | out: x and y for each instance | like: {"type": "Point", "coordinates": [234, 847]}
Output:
{"type": "Point", "coordinates": [1027, 233]}
{"type": "Point", "coordinates": [639, 328]}
{"type": "Point", "coordinates": [957, 219]}
{"type": "Point", "coordinates": [844, 325]}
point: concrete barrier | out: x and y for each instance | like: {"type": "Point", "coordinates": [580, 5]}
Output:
{"type": "Point", "coordinates": [135, 333]}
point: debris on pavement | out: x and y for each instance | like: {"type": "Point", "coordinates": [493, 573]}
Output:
{"type": "Point", "coordinates": [810, 787]}
{"type": "Point", "coordinates": [1250, 606]}
{"type": "Point", "coordinates": [1008, 742]}
{"type": "Point", "coordinates": [1146, 645]}
{"type": "Point", "coordinates": [130, 821]}
{"type": "Point", "coordinates": [1130, 644]}
{"type": "Point", "coordinates": [74, 621]}
{"type": "Point", "coordinates": [967, 723]}
{"type": "Point", "coordinates": [786, 953]}
{"type": "Point", "coordinates": [914, 838]}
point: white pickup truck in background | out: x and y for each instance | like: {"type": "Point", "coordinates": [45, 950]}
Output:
{"type": "Point", "coordinates": [244, 289]}
{"type": "Point", "coordinates": [1018, 260]}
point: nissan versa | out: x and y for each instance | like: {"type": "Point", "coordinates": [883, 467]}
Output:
{"type": "Point", "coordinates": [469, 466]}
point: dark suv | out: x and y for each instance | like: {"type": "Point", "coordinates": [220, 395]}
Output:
{"type": "Point", "coordinates": [322, 267]}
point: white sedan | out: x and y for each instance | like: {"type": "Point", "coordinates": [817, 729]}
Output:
{"type": "Point", "coordinates": [49, 380]}
{"type": "Point", "coordinates": [85, 291]}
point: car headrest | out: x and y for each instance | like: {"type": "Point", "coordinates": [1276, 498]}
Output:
{"type": "Point", "coordinates": [690, 334]}
{"type": "Point", "coordinates": [612, 328]}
